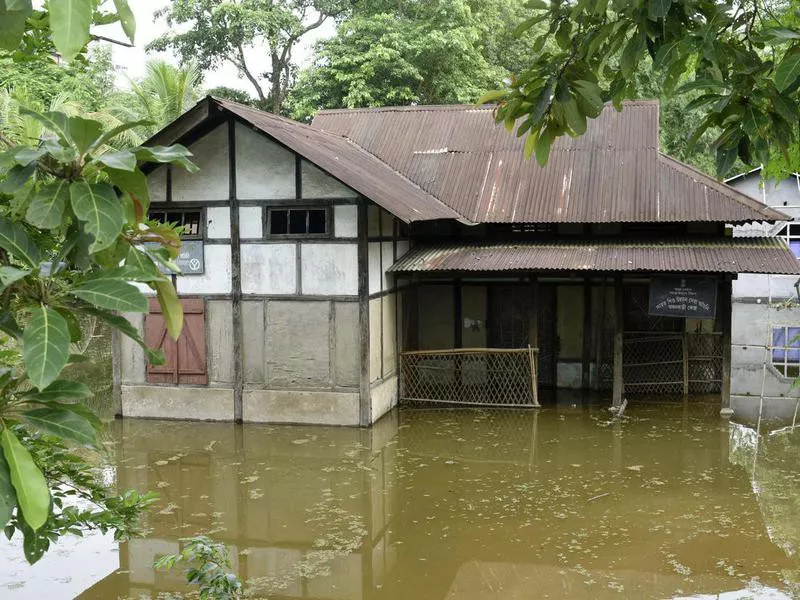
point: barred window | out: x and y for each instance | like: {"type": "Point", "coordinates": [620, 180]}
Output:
{"type": "Point", "coordinates": [190, 219]}
{"type": "Point", "coordinates": [786, 350]}
{"type": "Point", "coordinates": [297, 221]}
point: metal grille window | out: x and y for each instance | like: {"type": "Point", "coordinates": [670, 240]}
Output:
{"type": "Point", "coordinates": [297, 221]}
{"type": "Point", "coordinates": [190, 219]}
{"type": "Point", "coordinates": [786, 350]}
{"type": "Point", "coordinates": [791, 233]}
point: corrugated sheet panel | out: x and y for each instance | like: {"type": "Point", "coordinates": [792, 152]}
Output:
{"type": "Point", "coordinates": [614, 173]}
{"type": "Point", "coordinates": [729, 255]}
{"type": "Point", "coordinates": [349, 163]}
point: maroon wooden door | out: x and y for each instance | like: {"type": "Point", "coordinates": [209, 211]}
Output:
{"type": "Point", "coordinates": [186, 358]}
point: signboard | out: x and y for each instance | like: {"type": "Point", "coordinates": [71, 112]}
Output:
{"type": "Point", "coordinates": [694, 298]}
{"type": "Point", "coordinates": [190, 260]}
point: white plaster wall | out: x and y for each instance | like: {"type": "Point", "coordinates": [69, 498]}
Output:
{"type": "Point", "coordinates": [211, 181]}
{"type": "Point", "coordinates": [768, 287]}
{"type": "Point", "coordinates": [387, 260]}
{"type": "Point", "coordinates": [387, 223]}
{"type": "Point", "coordinates": [375, 339]}
{"type": "Point", "coordinates": [329, 269]}
{"type": "Point", "coordinates": [384, 397]}
{"type": "Point", "coordinates": [264, 169]}
{"type": "Point", "coordinates": [374, 265]}
{"type": "Point", "coordinates": [217, 276]}
{"type": "Point", "coordinates": [157, 184]}
{"type": "Point", "coordinates": [318, 184]}
{"type": "Point", "coordinates": [218, 222]}
{"type": "Point", "coordinates": [403, 246]}
{"type": "Point", "coordinates": [251, 224]}
{"type": "Point", "coordinates": [345, 221]}
{"type": "Point", "coordinates": [269, 269]}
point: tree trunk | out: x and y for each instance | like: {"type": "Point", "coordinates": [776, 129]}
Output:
{"type": "Point", "coordinates": [277, 90]}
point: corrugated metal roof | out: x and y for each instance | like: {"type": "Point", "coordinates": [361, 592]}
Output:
{"type": "Point", "coordinates": [727, 255]}
{"type": "Point", "coordinates": [613, 173]}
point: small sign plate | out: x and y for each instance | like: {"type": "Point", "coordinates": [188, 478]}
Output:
{"type": "Point", "coordinates": [191, 259]}
{"type": "Point", "coordinates": [690, 297]}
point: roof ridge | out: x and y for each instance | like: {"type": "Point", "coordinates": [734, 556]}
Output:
{"type": "Point", "coordinates": [721, 187]}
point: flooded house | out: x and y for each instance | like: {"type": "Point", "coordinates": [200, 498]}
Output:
{"type": "Point", "coordinates": [766, 313]}
{"type": "Point", "coordinates": [412, 255]}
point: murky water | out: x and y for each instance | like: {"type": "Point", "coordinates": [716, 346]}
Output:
{"type": "Point", "coordinates": [671, 502]}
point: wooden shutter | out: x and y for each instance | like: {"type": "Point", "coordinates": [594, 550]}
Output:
{"type": "Point", "coordinates": [186, 358]}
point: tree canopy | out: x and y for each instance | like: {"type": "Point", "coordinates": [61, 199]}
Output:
{"type": "Point", "coordinates": [741, 59]}
{"type": "Point", "coordinates": [214, 32]}
{"type": "Point", "coordinates": [395, 53]}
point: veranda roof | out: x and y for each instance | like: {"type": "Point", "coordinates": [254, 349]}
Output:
{"type": "Point", "coordinates": [726, 255]}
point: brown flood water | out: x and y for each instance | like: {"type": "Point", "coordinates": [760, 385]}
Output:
{"type": "Point", "coordinates": [671, 502]}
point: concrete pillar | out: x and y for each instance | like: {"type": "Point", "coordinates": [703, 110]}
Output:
{"type": "Point", "coordinates": [619, 325]}
{"type": "Point", "coordinates": [725, 306]}
{"type": "Point", "coordinates": [586, 358]}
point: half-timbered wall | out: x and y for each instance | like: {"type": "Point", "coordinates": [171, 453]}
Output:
{"type": "Point", "coordinates": [301, 344]}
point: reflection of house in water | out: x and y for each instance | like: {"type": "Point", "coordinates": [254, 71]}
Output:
{"type": "Point", "coordinates": [462, 504]}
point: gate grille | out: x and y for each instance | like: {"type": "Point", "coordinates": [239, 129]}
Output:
{"type": "Point", "coordinates": [476, 376]}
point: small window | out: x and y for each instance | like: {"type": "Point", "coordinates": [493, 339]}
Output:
{"type": "Point", "coordinates": [786, 350]}
{"type": "Point", "coordinates": [190, 219]}
{"type": "Point", "coordinates": [298, 221]}
{"type": "Point", "coordinates": [791, 233]}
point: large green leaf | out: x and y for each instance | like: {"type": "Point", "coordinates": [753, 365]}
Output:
{"type": "Point", "coordinates": [123, 161]}
{"type": "Point", "coordinates": [112, 294]}
{"type": "Point", "coordinates": [16, 178]}
{"type": "Point", "coordinates": [8, 497]}
{"type": "Point", "coordinates": [62, 423]}
{"type": "Point", "coordinates": [788, 70]}
{"type": "Point", "coordinates": [12, 22]}
{"type": "Point", "coordinates": [62, 389]}
{"type": "Point", "coordinates": [167, 154]}
{"type": "Point", "coordinates": [121, 324]}
{"type": "Point", "coordinates": [9, 275]}
{"type": "Point", "coordinates": [46, 210]}
{"type": "Point", "coordinates": [84, 133]}
{"type": "Point", "coordinates": [69, 22]}
{"type": "Point", "coordinates": [112, 133]}
{"type": "Point", "coordinates": [15, 241]}
{"type": "Point", "coordinates": [171, 307]}
{"type": "Point", "coordinates": [33, 496]}
{"type": "Point", "coordinates": [134, 273]}
{"type": "Point", "coordinates": [45, 346]}
{"type": "Point", "coordinates": [126, 18]}
{"type": "Point", "coordinates": [78, 408]}
{"type": "Point", "coordinates": [34, 544]}
{"type": "Point", "coordinates": [53, 121]}
{"type": "Point", "coordinates": [103, 213]}
{"type": "Point", "coordinates": [658, 9]}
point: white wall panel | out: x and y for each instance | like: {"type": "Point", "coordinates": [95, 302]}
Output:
{"type": "Point", "coordinates": [318, 184]}
{"type": "Point", "coordinates": [374, 264]}
{"type": "Point", "coordinates": [387, 260]}
{"type": "Point", "coordinates": [211, 181]}
{"type": "Point", "coordinates": [269, 269]}
{"type": "Point", "coordinates": [217, 276]}
{"type": "Point", "coordinates": [264, 169]}
{"type": "Point", "coordinates": [329, 269]}
{"type": "Point", "coordinates": [218, 222]}
{"type": "Point", "coordinates": [251, 225]}
{"type": "Point", "coordinates": [157, 184]}
{"type": "Point", "coordinates": [345, 221]}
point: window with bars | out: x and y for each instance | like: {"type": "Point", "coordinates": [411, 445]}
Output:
{"type": "Point", "coordinates": [786, 350]}
{"type": "Point", "coordinates": [191, 219]}
{"type": "Point", "coordinates": [298, 221]}
{"type": "Point", "coordinates": [791, 233]}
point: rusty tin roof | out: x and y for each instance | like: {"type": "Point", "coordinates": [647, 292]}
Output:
{"type": "Point", "coordinates": [613, 173]}
{"type": "Point", "coordinates": [720, 255]}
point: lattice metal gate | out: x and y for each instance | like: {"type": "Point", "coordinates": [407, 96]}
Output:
{"type": "Point", "coordinates": [498, 377]}
{"type": "Point", "coordinates": [672, 363]}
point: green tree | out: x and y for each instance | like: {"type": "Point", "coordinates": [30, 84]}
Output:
{"type": "Point", "coordinates": [409, 52]}
{"type": "Point", "coordinates": [215, 32]}
{"type": "Point", "coordinates": [162, 95]}
{"type": "Point", "coordinates": [743, 58]}
{"type": "Point", "coordinates": [72, 227]}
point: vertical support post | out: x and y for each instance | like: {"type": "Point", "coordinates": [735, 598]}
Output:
{"type": "Point", "coordinates": [600, 334]}
{"type": "Point", "coordinates": [365, 398]}
{"type": "Point", "coordinates": [586, 359]}
{"type": "Point", "coordinates": [533, 314]}
{"type": "Point", "coordinates": [725, 305]}
{"type": "Point", "coordinates": [236, 281]}
{"type": "Point", "coordinates": [685, 346]}
{"type": "Point", "coordinates": [619, 325]}
{"type": "Point", "coordinates": [534, 382]}
{"type": "Point", "coordinates": [458, 315]}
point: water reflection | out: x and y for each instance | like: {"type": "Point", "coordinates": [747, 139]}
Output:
{"type": "Point", "coordinates": [472, 505]}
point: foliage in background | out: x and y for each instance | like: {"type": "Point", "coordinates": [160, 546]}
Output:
{"type": "Point", "coordinates": [410, 52]}
{"type": "Point", "coordinates": [214, 32]}
{"type": "Point", "coordinates": [206, 565]}
{"type": "Point", "coordinates": [744, 58]}
{"type": "Point", "coordinates": [73, 221]}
